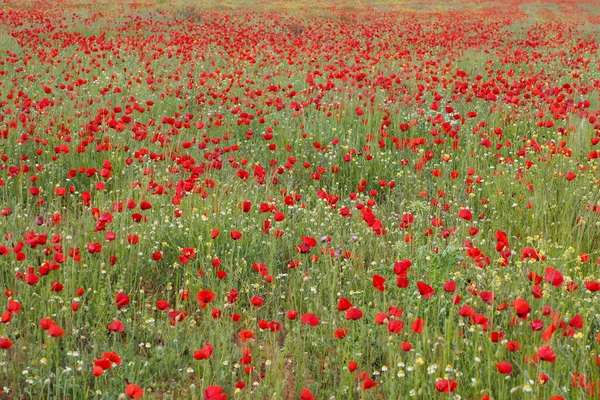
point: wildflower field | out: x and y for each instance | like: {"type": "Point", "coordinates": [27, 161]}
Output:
{"type": "Point", "coordinates": [299, 200]}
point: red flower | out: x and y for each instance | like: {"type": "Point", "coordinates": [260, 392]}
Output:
{"type": "Point", "coordinates": [554, 277]}
{"type": "Point", "coordinates": [504, 367]}
{"type": "Point", "coordinates": [116, 326]}
{"type": "Point", "coordinates": [546, 353]}
{"type": "Point", "coordinates": [235, 235]}
{"type": "Point", "coordinates": [245, 335]}
{"type": "Point", "coordinates": [306, 395]}
{"type": "Point", "coordinates": [425, 290]}
{"type": "Point", "coordinates": [395, 326]}
{"type": "Point", "coordinates": [257, 301]}
{"type": "Point", "coordinates": [522, 308]}
{"type": "Point", "coordinates": [205, 297]}
{"type": "Point", "coordinates": [465, 214]}
{"type": "Point", "coordinates": [513, 346]}
{"type": "Point", "coordinates": [205, 353]}
{"type": "Point", "coordinates": [133, 391]}
{"type": "Point", "coordinates": [450, 286]}
{"type": "Point", "coordinates": [446, 385]}
{"type": "Point", "coordinates": [344, 304]}
{"type": "Point", "coordinates": [214, 393]}
{"type": "Point", "coordinates": [354, 314]}
{"type": "Point", "coordinates": [378, 282]}
{"type": "Point", "coordinates": [340, 333]}
{"type": "Point", "coordinates": [417, 325]}
{"type": "Point", "coordinates": [162, 305]}
{"type": "Point", "coordinates": [310, 319]}
{"type": "Point", "coordinates": [55, 331]}
{"type": "Point", "coordinates": [5, 343]}
{"type": "Point", "coordinates": [122, 299]}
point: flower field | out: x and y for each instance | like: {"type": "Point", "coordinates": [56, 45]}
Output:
{"type": "Point", "coordinates": [299, 200]}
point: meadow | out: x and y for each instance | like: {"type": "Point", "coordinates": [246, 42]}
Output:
{"type": "Point", "coordinates": [299, 200]}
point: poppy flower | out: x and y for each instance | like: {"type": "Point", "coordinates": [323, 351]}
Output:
{"type": "Point", "coordinates": [55, 331]}
{"type": "Point", "coordinates": [343, 304]}
{"type": "Point", "coordinates": [340, 333]}
{"type": "Point", "coordinates": [446, 385]}
{"type": "Point", "coordinates": [116, 326]}
{"type": "Point", "coordinates": [354, 314]}
{"type": "Point", "coordinates": [236, 235]}
{"type": "Point", "coordinates": [395, 326]}
{"type": "Point", "coordinates": [112, 357]}
{"type": "Point", "coordinates": [257, 301]}
{"type": "Point", "coordinates": [554, 277]}
{"type": "Point", "coordinates": [310, 319]}
{"type": "Point", "coordinates": [291, 314]}
{"type": "Point", "coordinates": [133, 391]}
{"type": "Point", "coordinates": [205, 353]}
{"type": "Point", "coordinates": [306, 394]}
{"type": "Point", "coordinates": [450, 286]}
{"type": "Point", "coordinates": [121, 299]}
{"type": "Point", "coordinates": [245, 335]}
{"type": "Point", "coordinates": [425, 290]}
{"type": "Point", "coordinates": [513, 346]}
{"type": "Point", "coordinates": [504, 367]}
{"type": "Point", "coordinates": [417, 325]}
{"type": "Point", "coordinates": [5, 343]}
{"type": "Point", "coordinates": [522, 308]}
{"type": "Point", "coordinates": [378, 282]}
{"type": "Point", "coordinates": [352, 366]}
{"type": "Point", "coordinates": [97, 371]}
{"type": "Point", "coordinates": [381, 318]}
{"type": "Point", "coordinates": [465, 214]}
{"type": "Point", "coordinates": [546, 353]}
{"type": "Point", "coordinates": [103, 363]}
{"type": "Point", "coordinates": [214, 393]}
{"type": "Point", "coordinates": [576, 322]}
{"type": "Point", "coordinates": [205, 297]}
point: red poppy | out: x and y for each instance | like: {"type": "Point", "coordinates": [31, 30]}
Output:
{"type": "Point", "coordinates": [446, 385]}
{"type": "Point", "coordinates": [343, 304]}
{"type": "Point", "coordinates": [395, 326]}
{"type": "Point", "coordinates": [504, 367]}
{"type": "Point", "coordinates": [205, 353]}
{"type": "Point", "coordinates": [378, 282]}
{"type": "Point", "coordinates": [245, 335]}
{"type": "Point", "coordinates": [235, 235]}
{"type": "Point", "coordinates": [354, 314]}
{"type": "Point", "coordinates": [5, 343]}
{"type": "Point", "coordinates": [546, 353]}
{"type": "Point", "coordinates": [306, 394]}
{"type": "Point", "coordinates": [425, 290]}
{"type": "Point", "coordinates": [554, 277]}
{"type": "Point", "coordinates": [121, 299]}
{"type": "Point", "coordinates": [522, 308]}
{"type": "Point", "coordinates": [55, 331]}
{"type": "Point", "coordinates": [450, 286]}
{"type": "Point", "coordinates": [214, 393]}
{"type": "Point", "coordinates": [133, 391]}
{"type": "Point", "coordinates": [576, 322]}
{"type": "Point", "coordinates": [417, 325]}
{"type": "Point", "coordinates": [465, 214]}
{"type": "Point", "coordinates": [310, 319]}
{"type": "Point", "coordinates": [513, 346]}
{"type": "Point", "coordinates": [257, 301]}
{"type": "Point", "coordinates": [340, 333]}
{"type": "Point", "coordinates": [116, 326]}
{"type": "Point", "coordinates": [205, 297]}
